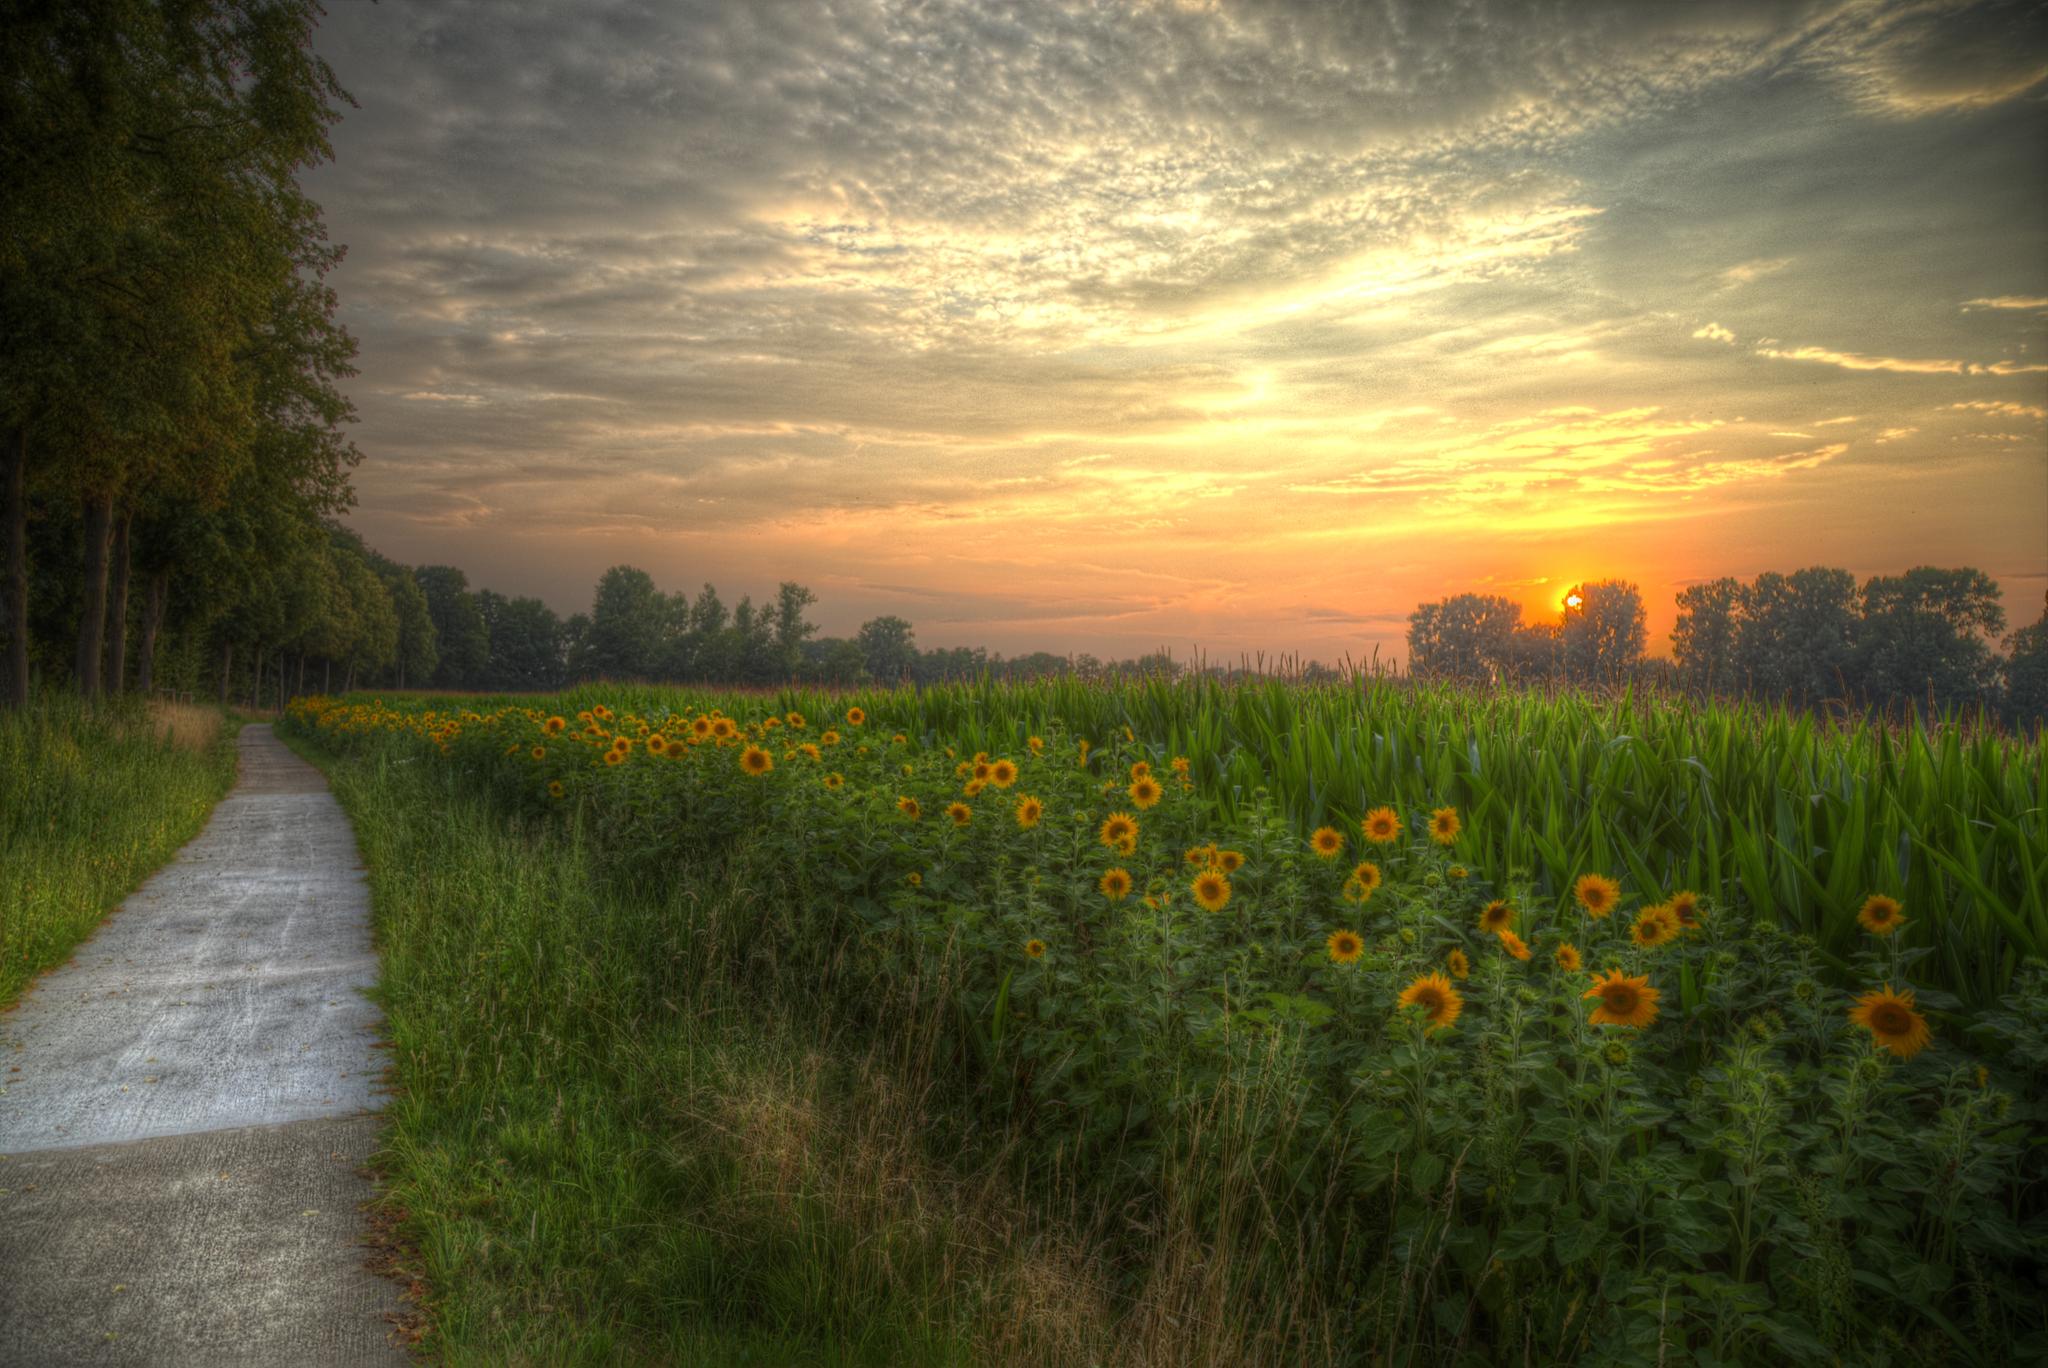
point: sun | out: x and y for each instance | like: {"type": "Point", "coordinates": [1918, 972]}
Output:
{"type": "Point", "coordinates": [1574, 600]}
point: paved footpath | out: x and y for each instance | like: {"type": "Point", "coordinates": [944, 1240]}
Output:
{"type": "Point", "coordinates": [185, 1107]}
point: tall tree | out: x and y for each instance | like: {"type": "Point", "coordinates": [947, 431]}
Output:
{"type": "Point", "coordinates": [2026, 672]}
{"type": "Point", "coordinates": [1925, 635]}
{"type": "Point", "coordinates": [1466, 636]}
{"type": "Point", "coordinates": [629, 624]}
{"type": "Point", "coordinates": [1795, 633]}
{"type": "Point", "coordinates": [416, 654]}
{"type": "Point", "coordinates": [888, 646]}
{"type": "Point", "coordinates": [1602, 638]}
{"type": "Point", "coordinates": [1703, 642]}
{"type": "Point", "coordinates": [460, 636]}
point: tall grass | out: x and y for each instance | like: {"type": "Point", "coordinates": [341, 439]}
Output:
{"type": "Point", "coordinates": [92, 799]}
{"type": "Point", "coordinates": [1762, 810]}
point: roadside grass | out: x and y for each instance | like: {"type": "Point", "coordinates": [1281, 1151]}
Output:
{"type": "Point", "coordinates": [617, 1134]}
{"type": "Point", "coordinates": [93, 799]}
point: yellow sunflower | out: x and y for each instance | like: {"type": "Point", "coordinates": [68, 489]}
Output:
{"type": "Point", "coordinates": [834, 780]}
{"type": "Point", "coordinates": [1141, 769]}
{"type": "Point", "coordinates": [1211, 889]}
{"type": "Point", "coordinates": [1444, 825]}
{"type": "Point", "coordinates": [1345, 947]}
{"type": "Point", "coordinates": [974, 787]}
{"type": "Point", "coordinates": [796, 719]}
{"type": "Point", "coordinates": [1597, 893]}
{"type": "Point", "coordinates": [1624, 1001]}
{"type": "Point", "coordinates": [1497, 916]}
{"type": "Point", "coordinates": [830, 738]}
{"type": "Point", "coordinates": [657, 743]}
{"type": "Point", "coordinates": [1892, 1021]}
{"type": "Point", "coordinates": [555, 725]}
{"type": "Point", "coordinates": [1439, 1001]}
{"type": "Point", "coordinates": [540, 752]}
{"type": "Point", "coordinates": [1879, 915]}
{"type": "Point", "coordinates": [910, 808]}
{"type": "Point", "coordinates": [722, 728]}
{"type": "Point", "coordinates": [1513, 944]}
{"type": "Point", "coordinates": [1036, 743]}
{"type": "Point", "coordinates": [1115, 884]}
{"type": "Point", "coordinates": [1353, 891]}
{"type": "Point", "coordinates": [701, 727]}
{"type": "Point", "coordinates": [1458, 964]}
{"type": "Point", "coordinates": [1035, 948]}
{"type": "Point", "coordinates": [612, 757]}
{"type": "Point", "coordinates": [1229, 861]}
{"type": "Point", "coordinates": [1118, 828]}
{"type": "Point", "coordinates": [809, 751]}
{"type": "Point", "coordinates": [1029, 810]}
{"type": "Point", "coordinates": [555, 788]}
{"type": "Point", "coordinates": [1685, 906]}
{"type": "Point", "coordinates": [960, 813]}
{"type": "Point", "coordinates": [1327, 843]}
{"type": "Point", "coordinates": [1368, 876]}
{"type": "Point", "coordinates": [1002, 773]}
{"type": "Point", "coordinates": [1381, 826]}
{"type": "Point", "coordinates": [754, 760]}
{"type": "Point", "coordinates": [855, 717]}
{"type": "Point", "coordinates": [622, 744]}
{"type": "Point", "coordinates": [1145, 792]}
{"type": "Point", "coordinates": [1202, 855]}
{"type": "Point", "coordinates": [1654, 926]}
{"type": "Point", "coordinates": [1568, 957]}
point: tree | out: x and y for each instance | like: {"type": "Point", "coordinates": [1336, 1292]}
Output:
{"type": "Point", "coordinates": [1602, 638]}
{"type": "Point", "coordinates": [526, 646]}
{"type": "Point", "coordinates": [791, 630]}
{"type": "Point", "coordinates": [416, 654]}
{"type": "Point", "coordinates": [460, 637]}
{"type": "Point", "coordinates": [2026, 672]}
{"type": "Point", "coordinates": [1703, 642]}
{"type": "Point", "coordinates": [888, 647]}
{"type": "Point", "coordinates": [1794, 634]}
{"type": "Point", "coordinates": [1467, 636]}
{"type": "Point", "coordinates": [629, 625]}
{"type": "Point", "coordinates": [1924, 635]}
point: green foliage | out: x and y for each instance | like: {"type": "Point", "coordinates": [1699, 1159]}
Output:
{"type": "Point", "coordinates": [1746, 1177]}
{"type": "Point", "coordinates": [92, 799]}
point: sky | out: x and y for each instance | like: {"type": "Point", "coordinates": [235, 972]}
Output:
{"type": "Point", "coordinates": [1225, 327]}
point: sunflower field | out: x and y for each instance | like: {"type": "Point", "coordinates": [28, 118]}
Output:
{"type": "Point", "coordinates": [1426, 1026]}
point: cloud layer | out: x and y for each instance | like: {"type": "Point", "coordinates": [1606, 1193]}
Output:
{"type": "Point", "coordinates": [1248, 324]}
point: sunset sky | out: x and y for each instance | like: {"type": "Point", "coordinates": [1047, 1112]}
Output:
{"type": "Point", "coordinates": [1233, 325]}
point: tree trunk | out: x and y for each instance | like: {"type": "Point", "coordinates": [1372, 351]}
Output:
{"type": "Point", "coordinates": [14, 599]}
{"type": "Point", "coordinates": [152, 623]}
{"type": "Point", "coordinates": [227, 668]}
{"type": "Point", "coordinates": [300, 687]}
{"type": "Point", "coordinates": [92, 621]}
{"type": "Point", "coordinates": [256, 681]}
{"type": "Point", "coordinates": [327, 680]}
{"type": "Point", "coordinates": [117, 609]}
{"type": "Point", "coordinates": [348, 683]}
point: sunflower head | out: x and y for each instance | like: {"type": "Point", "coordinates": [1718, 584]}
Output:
{"type": "Point", "coordinates": [540, 752]}
{"type": "Point", "coordinates": [1437, 998]}
{"type": "Point", "coordinates": [1880, 915]}
{"type": "Point", "coordinates": [909, 807]}
{"type": "Point", "coordinates": [1345, 947]}
{"type": "Point", "coordinates": [1029, 810]}
{"type": "Point", "coordinates": [754, 760]}
{"type": "Point", "coordinates": [1117, 828]}
{"type": "Point", "coordinates": [960, 813]}
{"type": "Point", "coordinates": [555, 788]}
{"type": "Point", "coordinates": [795, 719]}
{"type": "Point", "coordinates": [1036, 743]}
{"type": "Point", "coordinates": [1685, 906]}
{"type": "Point", "coordinates": [830, 738]}
{"type": "Point", "coordinates": [1597, 893]}
{"type": "Point", "coordinates": [1624, 1001]}
{"type": "Point", "coordinates": [1327, 843]}
{"type": "Point", "coordinates": [1002, 773]}
{"type": "Point", "coordinates": [722, 728]}
{"type": "Point", "coordinates": [1368, 876]}
{"type": "Point", "coordinates": [1140, 769]}
{"type": "Point", "coordinates": [1654, 926]}
{"type": "Point", "coordinates": [855, 717]}
{"type": "Point", "coordinates": [1145, 791]}
{"type": "Point", "coordinates": [1444, 825]}
{"type": "Point", "coordinates": [1202, 855]}
{"type": "Point", "coordinates": [622, 744]}
{"type": "Point", "coordinates": [834, 780]}
{"type": "Point", "coordinates": [555, 725]}
{"type": "Point", "coordinates": [1381, 826]}
{"type": "Point", "coordinates": [1892, 1020]}
{"type": "Point", "coordinates": [1211, 889]}
{"type": "Point", "coordinates": [1497, 916]}
{"type": "Point", "coordinates": [1230, 861]}
{"type": "Point", "coordinates": [1568, 957]}
{"type": "Point", "coordinates": [701, 727]}
{"type": "Point", "coordinates": [1513, 944]}
{"type": "Point", "coordinates": [1035, 948]}
{"type": "Point", "coordinates": [1458, 964]}
{"type": "Point", "coordinates": [612, 757]}
{"type": "Point", "coordinates": [657, 743]}
{"type": "Point", "coordinates": [1115, 884]}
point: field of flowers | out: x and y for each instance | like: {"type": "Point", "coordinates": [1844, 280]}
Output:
{"type": "Point", "coordinates": [1448, 1025]}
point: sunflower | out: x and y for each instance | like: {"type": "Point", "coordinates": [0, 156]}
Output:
{"type": "Point", "coordinates": [1497, 916]}
{"type": "Point", "coordinates": [1597, 893]}
{"type": "Point", "coordinates": [909, 807]}
{"type": "Point", "coordinates": [1353, 891]}
{"type": "Point", "coordinates": [1345, 946]}
{"type": "Point", "coordinates": [554, 726]}
{"type": "Point", "coordinates": [1202, 855]}
{"type": "Point", "coordinates": [1229, 861]}
{"type": "Point", "coordinates": [914, 879]}
{"type": "Point", "coordinates": [974, 787]}
{"type": "Point", "coordinates": [1181, 764]}
{"type": "Point", "coordinates": [1879, 915]}
{"type": "Point", "coordinates": [754, 760]}
{"type": "Point", "coordinates": [1654, 926]}
{"type": "Point", "coordinates": [830, 738]}
{"type": "Point", "coordinates": [1115, 884]}
{"type": "Point", "coordinates": [1623, 1001]}
{"type": "Point", "coordinates": [554, 788]}
{"type": "Point", "coordinates": [1035, 948]}
{"type": "Point", "coordinates": [834, 780]}
{"type": "Point", "coordinates": [855, 717]}
{"type": "Point", "coordinates": [1458, 964]}
{"type": "Point", "coordinates": [622, 744]}
{"type": "Point", "coordinates": [602, 713]}
{"type": "Point", "coordinates": [1141, 769]}
{"type": "Point", "coordinates": [1436, 997]}
{"type": "Point", "coordinates": [1685, 906]}
{"type": "Point", "coordinates": [722, 728]}
{"type": "Point", "coordinates": [612, 757]}
{"type": "Point", "coordinates": [960, 813]}
{"type": "Point", "coordinates": [1368, 876]}
{"type": "Point", "coordinates": [1512, 943]}
{"type": "Point", "coordinates": [1145, 792]}
{"type": "Point", "coordinates": [586, 716]}
{"type": "Point", "coordinates": [809, 751]}
{"type": "Point", "coordinates": [899, 739]}
{"type": "Point", "coordinates": [1568, 957]}
{"type": "Point", "coordinates": [1118, 828]}
{"type": "Point", "coordinates": [657, 743]}
{"type": "Point", "coordinates": [1892, 1021]}
{"type": "Point", "coordinates": [1381, 825]}
{"type": "Point", "coordinates": [1211, 889]}
{"type": "Point", "coordinates": [1327, 843]}
{"type": "Point", "coordinates": [1002, 773]}
{"type": "Point", "coordinates": [795, 719]}
{"type": "Point", "coordinates": [1036, 743]}
{"type": "Point", "coordinates": [540, 752]}
{"type": "Point", "coordinates": [701, 727]}
{"type": "Point", "coordinates": [1444, 826]}
{"type": "Point", "coordinates": [1029, 810]}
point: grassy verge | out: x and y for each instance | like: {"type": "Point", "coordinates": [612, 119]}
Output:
{"type": "Point", "coordinates": [623, 1129]}
{"type": "Point", "coordinates": [92, 800]}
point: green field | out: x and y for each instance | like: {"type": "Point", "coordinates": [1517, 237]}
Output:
{"type": "Point", "coordinates": [1773, 1132]}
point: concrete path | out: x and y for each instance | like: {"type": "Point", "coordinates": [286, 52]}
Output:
{"type": "Point", "coordinates": [182, 1107]}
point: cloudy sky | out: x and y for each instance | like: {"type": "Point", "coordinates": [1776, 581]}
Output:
{"type": "Point", "coordinates": [1240, 324]}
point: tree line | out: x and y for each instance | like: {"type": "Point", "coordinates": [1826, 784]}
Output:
{"type": "Point", "coordinates": [1927, 638]}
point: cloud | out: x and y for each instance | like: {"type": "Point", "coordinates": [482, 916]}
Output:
{"type": "Point", "coordinates": [2009, 302]}
{"type": "Point", "coordinates": [1903, 365]}
{"type": "Point", "coordinates": [1714, 332]}
{"type": "Point", "coordinates": [2002, 408]}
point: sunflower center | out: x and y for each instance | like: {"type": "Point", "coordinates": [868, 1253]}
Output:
{"type": "Point", "coordinates": [1620, 998]}
{"type": "Point", "coordinates": [1891, 1019]}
